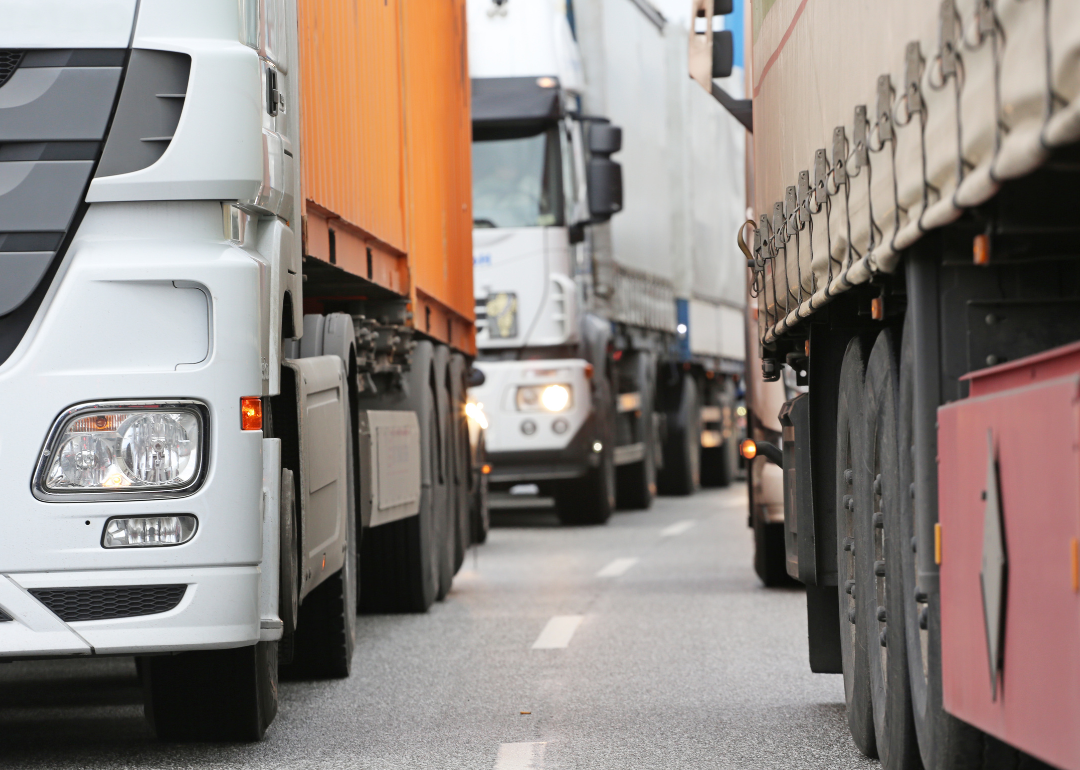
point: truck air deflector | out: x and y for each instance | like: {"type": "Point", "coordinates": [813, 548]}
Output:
{"type": "Point", "coordinates": [515, 100]}
{"type": "Point", "coordinates": [148, 112]}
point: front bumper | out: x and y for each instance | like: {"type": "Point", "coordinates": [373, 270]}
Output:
{"type": "Point", "coordinates": [219, 609]}
{"type": "Point", "coordinates": [538, 465]}
{"type": "Point", "coordinates": [559, 444]}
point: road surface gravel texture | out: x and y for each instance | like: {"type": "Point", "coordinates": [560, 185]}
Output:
{"type": "Point", "coordinates": [646, 643]}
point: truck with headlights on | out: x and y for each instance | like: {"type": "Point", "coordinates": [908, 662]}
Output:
{"type": "Point", "coordinates": [913, 252]}
{"type": "Point", "coordinates": [235, 339]}
{"type": "Point", "coordinates": [609, 326]}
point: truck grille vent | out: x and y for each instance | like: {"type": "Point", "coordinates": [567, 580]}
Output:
{"type": "Point", "coordinates": [4, 617]}
{"type": "Point", "coordinates": [109, 602]}
{"type": "Point", "coordinates": [9, 62]}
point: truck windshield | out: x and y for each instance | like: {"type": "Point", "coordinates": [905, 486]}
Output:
{"type": "Point", "coordinates": [516, 180]}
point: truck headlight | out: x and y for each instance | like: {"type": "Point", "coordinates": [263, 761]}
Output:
{"type": "Point", "coordinates": [124, 450]}
{"type": "Point", "coordinates": [551, 398]}
{"type": "Point", "coordinates": [474, 410]}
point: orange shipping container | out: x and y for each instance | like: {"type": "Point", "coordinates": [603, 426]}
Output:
{"type": "Point", "coordinates": [386, 143]}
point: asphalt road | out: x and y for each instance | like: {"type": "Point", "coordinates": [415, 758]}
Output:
{"type": "Point", "coordinates": [673, 656]}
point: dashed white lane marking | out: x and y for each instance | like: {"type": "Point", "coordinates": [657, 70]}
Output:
{"type": "Point", "coordinates": [557, 632]}
{"type": "Point", "coordinates": [520, 756]}
{"type": "Point", "coordinates": [677, 528]}
{"type": "Point", "coordinates": [617, 567]}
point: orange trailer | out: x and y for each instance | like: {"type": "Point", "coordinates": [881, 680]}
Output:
{"type": "Point", "coordinates": [385, 158]}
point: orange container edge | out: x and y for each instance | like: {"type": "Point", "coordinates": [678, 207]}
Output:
{"type": "Point", "coordinates": [386, 152]}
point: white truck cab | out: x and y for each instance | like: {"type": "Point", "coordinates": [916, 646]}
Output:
{"type": "Point", "coordinates": [162, 495]}
{"type": "Point", "coordinates": [543, 181]}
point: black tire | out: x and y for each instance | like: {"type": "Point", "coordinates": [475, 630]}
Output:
{"type": "Point", "coordinates": [211, 695]}
{"type": "Point", "coordinates": [718, 464]}
{"type": "Point", "coordinates": [850, 445]}
{"type": "Point", "coordinates": [590, 499]}
{"type": "Point", "coordinates": [325, 636]}
{"type": "Point", "coordinates": [877, 496]}
{"type": "Point", "coordinates": [945, 742]}
{"type": "Point", "coordinates": [681, 474]}
{"type": "Point", "coordinates": [443, 470]}
{"type": "Point", "coordinates": [770, 558]}
{"type": "Point", "coordinates": [288, 571]}
{"type": "Point", "coordinates": [480, 515]}
{"type": "Point", "coordinates": [460, 457]}
{"type": "Point", "coordinates": [635, 483]}
{"type": "Point", "coordinates": [399, 560]}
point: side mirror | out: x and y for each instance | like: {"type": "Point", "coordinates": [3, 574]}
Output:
{"type": "Point", "coordinates": [723, 54]}
{"type": "Point", "coordinates": [476, 377]}
{"type": "Point", "coordinates": [604, 139]}
{"type": "Point", "coordinates": [604, 178]}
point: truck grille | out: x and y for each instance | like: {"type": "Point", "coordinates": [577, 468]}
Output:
{"type": "Point", "coordinates": [109, 602]}
{"type": "Point", "coordinates": [55, 106]}
{"type": "Point", "coordinates": [9, 62]}
{"type": "Point", "coordinates": [4, 617]}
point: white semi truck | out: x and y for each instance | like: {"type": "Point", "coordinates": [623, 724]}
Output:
{"type": "Point", "coordinates": [187, 459]}
{"type": "Point", "coordinates": [610, 326]}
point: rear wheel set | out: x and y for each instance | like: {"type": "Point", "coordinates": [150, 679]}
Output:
{"type": "Point", "coordinates": [895, 692]}
{"type": "Point", "coordinates": [850, 448]}
{"type": "Point", "coordinates": [880, 575]}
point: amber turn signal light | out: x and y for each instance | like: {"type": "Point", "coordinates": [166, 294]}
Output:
{"type": "Point", "coordinates": [251, 413]}
{"type": "Point", "coordinates": [981, 250]}
{"type": "Point", "coordinates": [748, 449]}
{"type": "Point", "coordinates": [485, 469]}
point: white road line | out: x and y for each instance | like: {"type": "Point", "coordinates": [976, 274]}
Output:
{"type": "Point", "coordinates": [677, 528]}
{"type": "Point", "coordinates": [617, 567]}
{"type": "Point", "coordinates": [557, 632]}
{"type": "Point", "coordinates": [520, 756]}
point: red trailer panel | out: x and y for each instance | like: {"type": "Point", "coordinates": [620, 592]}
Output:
{"type": "Point", "coordinates": [1020, 429]}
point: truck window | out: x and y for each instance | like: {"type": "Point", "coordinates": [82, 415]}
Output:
{"type": "Point", "coordinates": [517, 180]}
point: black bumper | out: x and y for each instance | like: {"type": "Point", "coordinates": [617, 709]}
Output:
{"type": "Point", "coordinates": [571, 462]}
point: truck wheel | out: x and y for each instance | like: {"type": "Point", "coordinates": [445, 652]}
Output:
{"type": "Point", "coordinates": [400, 559]}
{"type": "Point", "coordinates": [770, 558]}
{"type": "Point", "coordinates": [325, 636]}
{"type": "Point", "coordinates": [590, 499]}
{"type": "Point", "coordinates": [288, 572]}
{"type": "Point", "coordinates": [443, 486]}
{"type": "Point", "coordinates": [681, 474]}
{"type": "Point", "coordinates": [944, 740]}
{"type": "Point", "coordinates": [877, 493]}
{"type": "Point", "coordinates": [461, 467]}
{"type": "Point", "coordinates": [718, 464]}
{"type": "Point", "coordinates": [636, 482]}
{"type": "Point", "coordinates": [326, 629]}
{"type": "Point", "coordinates": [850, 446]}
{"type": "Point", "coordinates": [211, 695]}
{"type": "Point", "coordinates": [478, 500]}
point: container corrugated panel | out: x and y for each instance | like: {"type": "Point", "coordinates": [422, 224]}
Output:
{"type": "Point", "coordinates": [438, 165]}
{"type": "Point", "coordinates": [351, 112]}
